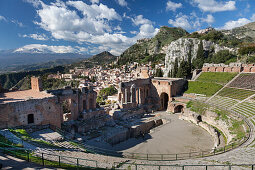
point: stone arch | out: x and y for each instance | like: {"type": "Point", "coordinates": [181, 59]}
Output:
{"type": "Point", "coordinates": [164, 98]}
{"type": "Point", "coordinates": [179, 109]}
{"type": "Point", "coordinates": [199, 118]}
{"type": "Point", "coordinates": [30, 118]}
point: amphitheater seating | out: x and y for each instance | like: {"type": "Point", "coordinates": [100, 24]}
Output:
{"type": "Point", "coordinates": [239, 94]}
{"type": "Point", "coordinates": [223, 102]}
{"type": "Point", "coordinates": [244, 81]}
{"type": "Point", "coordinates": [245, 108]}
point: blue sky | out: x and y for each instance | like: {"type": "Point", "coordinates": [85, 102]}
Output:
{"type": "Point", "coordinates": [93, 26]}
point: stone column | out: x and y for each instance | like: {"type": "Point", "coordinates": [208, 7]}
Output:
{"type": "Point", "coordinates": [137, 96]}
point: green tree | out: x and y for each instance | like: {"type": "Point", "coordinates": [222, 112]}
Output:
{"type": "Point", "coordinates": [159, 73]}
{"type": "Point", "coordinates": [199, 60]}
{"type": "Point", "coordinates": [222, 57]}
{"type": "Point", "coordinates": [183, 70]}
{"type": "Point", "coordinates": [169, 73]}
{"type": "Point", "coordinates": [175, 69]}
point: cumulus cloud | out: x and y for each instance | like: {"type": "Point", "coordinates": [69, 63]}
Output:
{"type": "Point", "coordinates": [92, 24]}
{"type": "Point", "coordinates": [41, 37]}
{"type": "Point", "coordinates": [172, 6]}
{"type": "Point", "coordinates": [187, 22]}
{"type": "Point", "coordinates": [238, 23]}
{"type": "Point", "coordinates": [140, 20]}
{"type": "Point", "coordinates": [42, 48]}
{"type": "Point", "coordinates": [94, 1]}
{"type": "Point", "coordinates": [209, 19]}
{"type": "Point", "coordinates": [214, 6]}
{"type": "Point", "coordinates": [122, 2]}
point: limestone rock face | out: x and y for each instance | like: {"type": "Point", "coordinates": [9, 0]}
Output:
{"type": "Point", "coordinates": [183, 46]}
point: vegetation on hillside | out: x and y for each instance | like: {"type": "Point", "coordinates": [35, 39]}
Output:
{"type": "Point", "coordinates": [10, 79]}
{"type": "Point", "coordinates": [141, 52]}
{"type": "Point", "coordinates": [218, 37]}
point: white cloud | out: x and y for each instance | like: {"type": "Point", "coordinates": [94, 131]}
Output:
{"type": "Point", "coordinates": [214, 6]}
{"type": "Point", "coordinates": [20, 24]}
{"type": "Point", "coordinates": [181, 21]}
{"type": "Point", "coordinates": [122, 2]}
{"type": "Point", "coordinates": [139, 20]}
{"type": "Point", "coordinates": [41, 48]}
{"type": "Point", "coordinates": [35, 3]}
{"type": "Point", "coordinates": [238, 23]}
{"type": "Point", "coordinates": [209, 19]}
{"type": "Point", "coordinates": [133, 32]}
{"type": "Point", "coordinates": [95, 25]}
{"type": "Point", "coordinates": [41, 37]}
{"type": "Point", "coordinates": [172, 6]}
{"type": "Point", "coordinates": [2, 18]}
{"type": "Point", "coordinates": [94, 1]}
{"type": "Point", "coordinates": [253, 18]}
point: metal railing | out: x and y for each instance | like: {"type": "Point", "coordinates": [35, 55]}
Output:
{"type": "Point", "coordinates": [157, 157]}
{"type": "Point", "coordinates": [53, 160]}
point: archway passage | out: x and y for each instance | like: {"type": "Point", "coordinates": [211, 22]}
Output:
{"type": "Point", "coordinates": [178, 109]}
{"type": "Point", "coordinates": [164, 101]}
{"type": "Point", "coordinates": [30, 118]}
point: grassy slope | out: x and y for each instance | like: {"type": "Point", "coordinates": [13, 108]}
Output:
{"type": "Point", "coordinates": [209, 83]}
{"type": "Point", "coordinates": [221, 78]}
{"type": "Point", "coordinates": [205, 88]}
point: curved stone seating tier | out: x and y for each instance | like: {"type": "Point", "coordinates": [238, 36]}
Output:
{"type": "Point", "coordinates": [239, 94]}
{"type": "Point", "coordinates": [224, 102]}
{"type": "Point", "coordinates": [245, 108]}
{"type": "Point", "coordinates": [245, 81]}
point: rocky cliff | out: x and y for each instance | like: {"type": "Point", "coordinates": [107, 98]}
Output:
{"type": "Point", "coordinates": [152, 46]}
{"type": "Point", "coordinates": [183, 47]}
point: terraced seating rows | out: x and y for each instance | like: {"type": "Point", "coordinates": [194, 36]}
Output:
{"type": "Point", "coordinates": [224, 102]}
{"type": "Point", "coordinates": [245, 81]}
{"type": "Point", "coordinates": [239, 94]}
{"type": "Point", "coordinates": [245, 108]}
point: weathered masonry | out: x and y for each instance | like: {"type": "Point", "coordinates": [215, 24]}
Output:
{"type": "Point", "coordinates": [155, 92]}
{"type": "Point", "coordinates": [37, 107]}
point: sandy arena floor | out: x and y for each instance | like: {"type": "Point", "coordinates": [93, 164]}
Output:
{"type": "Point", "coordinates": [177, 136]}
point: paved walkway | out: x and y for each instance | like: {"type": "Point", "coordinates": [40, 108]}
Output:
{"type": "Point", "coordinates": [10, 162]}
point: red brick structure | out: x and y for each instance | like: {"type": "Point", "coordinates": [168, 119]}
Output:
{"type": "Point", "coordinates": [231, 68]}
{"type": "Point", "coordinates": [36, 84]}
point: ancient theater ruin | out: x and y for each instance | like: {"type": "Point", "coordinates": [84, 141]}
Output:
{"type": "Point", "coordinates": [37, 107]}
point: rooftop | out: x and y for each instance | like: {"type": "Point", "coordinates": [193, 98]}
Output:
{"type": "Point", "coordinates": [19, 96]}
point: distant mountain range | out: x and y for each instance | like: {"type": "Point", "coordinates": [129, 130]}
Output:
{"type": "Point", "coordinates": [13, 61]}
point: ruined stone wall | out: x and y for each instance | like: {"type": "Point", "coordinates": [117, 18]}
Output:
{"type": "Point", "coordinates": [134, 93]}
{"type": "Point", "coordinates": [231, 68]}
{"type": "Point", "coordinates": [45, 111]}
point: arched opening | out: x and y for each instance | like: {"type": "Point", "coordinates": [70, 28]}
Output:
{"type": "Point", "coordinates": [199, 118]}
{"type": "Point", "coordinates": [178, 109]}
{"type": "Point", "coordinates": [164, 101]}
{"type": "Point", "coordinates": [30, 118]}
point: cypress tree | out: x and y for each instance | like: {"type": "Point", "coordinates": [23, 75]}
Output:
{"type": "Point", "coordinates": [175, 69]}
{"type": "Point", "coordinates": [199, 61]}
